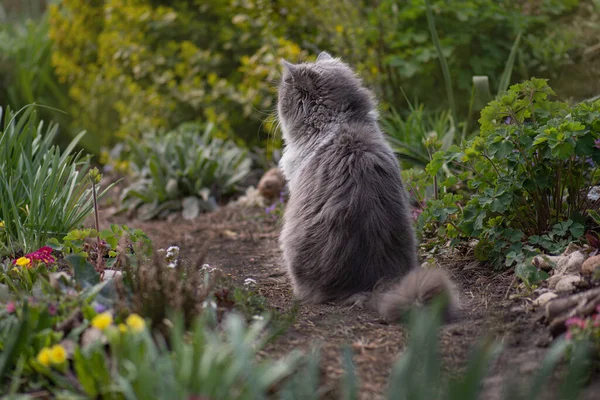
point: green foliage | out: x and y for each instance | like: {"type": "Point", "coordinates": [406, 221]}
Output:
{"type": "Point", "coordinates": [43, 192]}
{"type": "Point", "coordinates": [27, 75]}
{"type": "Point", "coordinates": [183, 163]}
{"type": "Point", "coordinates": [529, 169]}
{"type": "Point", "coordinates": [139, 66]}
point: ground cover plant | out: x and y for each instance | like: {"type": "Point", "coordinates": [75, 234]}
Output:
{"type": "Point", "coordinates": [529, 172]}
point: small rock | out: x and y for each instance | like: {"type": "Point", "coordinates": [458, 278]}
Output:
{"type": "Point", "coordinates": [553, 280]}
{"type": "Point", "coordinates": [92, 335]}
{"type": "Point", "coordinates": [57, 277]}
{"type": "Point", "coordinates": [571, 248]}
{"type": "Point", "coordinates": [568, 283]}
{"type": "Point", "coordinates": [111, 274]}
{"type": "Point", "coordinates": [571, 263]}
{"type": "Point", "coordinates": [271, 184]}
{"type": "Point", "coordinates": [590, 265]}
{"type": "Point", "coordinates": [544, 298]}
{"type": "Point", "coordinates": [545, 262]}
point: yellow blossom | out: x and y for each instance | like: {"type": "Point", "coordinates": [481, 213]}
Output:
{"type": "Point", "coordinates": [122, 328]}
{"type": "Point", "coordinates": [15, 270]}
{"type": "Point", "coordinates": [58, 354]}
{"type": "Point", "coordinates": [135, 322]}
{"type": "Point", "coordinates": [102, 321]}
{"type": "Point", "coordinates": [44, 356]}
{"type": "Point", "coordinates": [1, 224]}
{"type": "Point", "coordinates": [339, 29]}
{"type": "Point", "coordinates": [23, 262]}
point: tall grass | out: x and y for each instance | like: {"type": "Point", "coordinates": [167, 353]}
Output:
{"type": "Point", "coordinates": [44, 192]}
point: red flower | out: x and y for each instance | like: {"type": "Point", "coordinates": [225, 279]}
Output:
{"type": "Point", "coordinates": [43, 255]}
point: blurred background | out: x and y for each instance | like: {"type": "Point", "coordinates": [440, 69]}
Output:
{"type": "Point", "coordinates": [128, 69]}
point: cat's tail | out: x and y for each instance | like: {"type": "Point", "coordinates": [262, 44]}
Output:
{"type": "Point", "coordinates": [417, 289]}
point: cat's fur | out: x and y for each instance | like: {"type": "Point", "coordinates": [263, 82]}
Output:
{"type": "Point", "coordinates": [347, 225]}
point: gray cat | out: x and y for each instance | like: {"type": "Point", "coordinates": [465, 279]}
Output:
{"type": "Point", "coordinates": [347, 231]}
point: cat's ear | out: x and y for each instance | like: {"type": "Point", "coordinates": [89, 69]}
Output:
{"type": "Point", "coordinates": [323, 56]}
{"type": "Point", "coordinates": [288, 66]}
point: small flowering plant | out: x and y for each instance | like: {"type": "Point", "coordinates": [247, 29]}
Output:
{"type": "Point", "coordinates": [275, 210]}
{"type": "Point", "coordinates": [21, 274]}
{"type": "Point", "coordinates": [579, 329]}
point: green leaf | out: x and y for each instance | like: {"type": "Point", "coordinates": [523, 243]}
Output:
{"type": "Point", "coordinates": [85, 273]}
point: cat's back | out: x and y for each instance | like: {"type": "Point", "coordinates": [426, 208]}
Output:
{"type": "Point", "coordinates": [347, 223]}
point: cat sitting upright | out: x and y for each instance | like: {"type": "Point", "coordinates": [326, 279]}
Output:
{"type": "Point", "coordinates": [347, 233]}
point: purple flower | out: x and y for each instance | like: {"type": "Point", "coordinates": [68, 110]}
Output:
{"type": "Point", "coordinates": [281, 199]}
{"type": "Point", "coordinates": [508, 120]}
{"type": "Point", "coordinates": [99, 308]}
{"type": "Point", "coordinates": [271, 208]}
{"type": "Point", "coordinates": [597, 143]}
{"type": "Point", "coordinates": [52, 309]}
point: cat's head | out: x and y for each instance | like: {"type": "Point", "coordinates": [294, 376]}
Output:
{"type": "Point", "coordinates": [313, 96]}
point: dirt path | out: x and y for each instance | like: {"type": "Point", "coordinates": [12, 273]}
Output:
{"type": "Point", "coordinates": [243, 242]}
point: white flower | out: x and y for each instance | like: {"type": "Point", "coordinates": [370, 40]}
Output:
{"type": "Point", "coordinates": [249, 282]}
{"type": "Point", "coordinates": [209, 303]}
{"type": "Point", "coordinates": [258, 317]}
{"type": "Point", "coordinates": [208, 268]}
{"type": "Point", "coordinates": [172, 265]}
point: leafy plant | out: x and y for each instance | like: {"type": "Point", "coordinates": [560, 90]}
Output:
{"type": "Point", "coordinates": [43, 190]}
{"type": "Point", "coordinates": [530, 170]}
{"type": "Point", "coordinates": [183, 163]}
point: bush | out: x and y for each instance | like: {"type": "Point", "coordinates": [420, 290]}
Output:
{"type": "Point", "coordinates": [528, 172]}
{"type": "Point", "coordinates": [27, 75]}
{"type": "Point", "coordinates": [183, 163]}
{"type": "Point", "coordinates": [143, 66]}
{"type": "Point", "coordinates": [43, 192]}
{"type": "Point", "coordinates": [138, 66]}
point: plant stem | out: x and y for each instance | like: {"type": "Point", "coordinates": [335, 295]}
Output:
{"type": "Point", "coordinates": [444, 64]}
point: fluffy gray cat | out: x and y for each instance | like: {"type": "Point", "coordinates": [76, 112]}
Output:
{"type": "Point", "coordinates": [347, 234]}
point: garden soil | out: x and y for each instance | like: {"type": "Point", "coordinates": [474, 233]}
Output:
{"type": "Point", "coordinates": [243, 243]}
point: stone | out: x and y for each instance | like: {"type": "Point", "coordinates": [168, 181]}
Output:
{"type": "Point", "coordinates": [571, 248]}
{"type": "Point", "coordinates": [272, 184]}
{"type": "Point", "coordinates": [111, 274]}
{"type": "Point", "coordinates": [553, 280]}
{"type": "Point", "coordinates": [590, 265]}
{"type": "Point", "coordinates": [544, 298]}
{"type": "Point", "coordinates": [567, 283]}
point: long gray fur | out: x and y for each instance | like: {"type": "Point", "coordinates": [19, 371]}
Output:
{"type": "Point", "coordinates": [347, 225]}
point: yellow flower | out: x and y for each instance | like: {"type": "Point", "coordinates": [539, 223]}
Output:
{"type": "Point", "coordinates": [58, 354]}
{"type": "Point", "coordinates": [15, 270]}
{"type": "Point", "coordinates": [44, 356]}
{"type": "Point", "coordinates": [102, 321]}
{"type": "Point", "coordinates": [135, 322]}
{"type": "Point", "coordinates": [23, 262]}
{"type": "Point", "coordinates": [1, 224]}
{"type": "Point", "coordinates": [339, 29]}
{"type": "Point", "coordinates": [122, 328]}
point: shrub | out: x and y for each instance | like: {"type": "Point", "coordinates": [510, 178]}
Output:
{"type": "Point", "coordinates": [140, 66]}
{"type": "Point", "coordinates": [529, 170]}
{"type": "Point", "coordinates": [183, 163]}
{"type": "Point", "coordinates": [43, 192]}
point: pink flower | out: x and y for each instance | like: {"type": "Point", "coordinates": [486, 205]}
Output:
{"type": "Point", "coordinates": [10, 307]}
{"type": "Point", "coordinates": [575, 321]}
{"type": "Point", "coordinates": [43, 255]}
{"type": "Point", "coordinates": [52, 309]}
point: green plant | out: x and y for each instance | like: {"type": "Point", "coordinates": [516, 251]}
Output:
{"type": "Point", "coordinates": [530, 170]}
{"type": "Point", "coordinates": [183, 163]}
{"type": "Point", "coordinates": [44, 192]}
{"type": "Point", "coordinates": [26, 73]}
